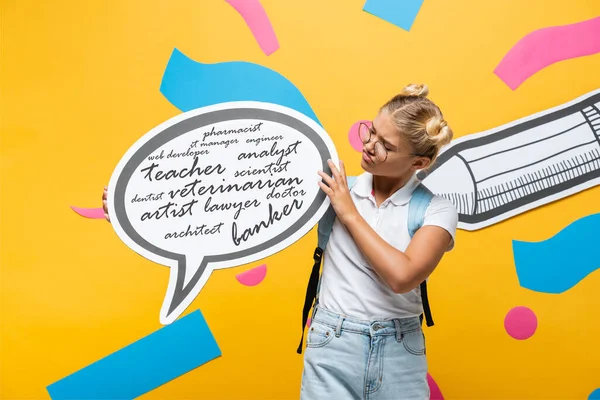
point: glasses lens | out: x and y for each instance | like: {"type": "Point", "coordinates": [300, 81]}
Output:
{"type": "Point", "coordinates": [380, 152]}
{"type": "Point", "coordinates": [364, 133]}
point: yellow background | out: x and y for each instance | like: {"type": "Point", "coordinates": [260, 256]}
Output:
{"type": "Point", "coordinates": [80, 83]}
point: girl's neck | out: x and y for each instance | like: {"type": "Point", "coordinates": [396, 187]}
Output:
{"type": "Point", "coordinates": [385, 186]}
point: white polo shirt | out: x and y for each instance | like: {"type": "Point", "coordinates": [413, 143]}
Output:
{"type": "Point", "coordinates": [349, 285]}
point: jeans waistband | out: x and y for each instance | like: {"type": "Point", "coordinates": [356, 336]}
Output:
{"type": "Point", "coordinates": [397, 326]}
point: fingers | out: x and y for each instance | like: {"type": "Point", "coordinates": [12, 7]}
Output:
{"type": "Point", "coordinates": [343, 173]}
{"type": "Point", "coordinates": [328, 191]}
{"type": "Point", "coordinates": [334, 171]}
{"type": "Point", "coordinates": [105, 204]}
{"type": "Point", "coordinates": [328, 180]}
{"type": "Point", "coordinates": [339, 175]}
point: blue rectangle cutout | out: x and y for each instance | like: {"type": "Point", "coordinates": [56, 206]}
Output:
{"type": "Point", "coordinates": [401, 13]}
{"type": "Point", "coordinates": [143, 365]}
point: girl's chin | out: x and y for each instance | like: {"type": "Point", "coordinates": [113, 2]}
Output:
{"type": "Point", "coordinates": [365, 165]}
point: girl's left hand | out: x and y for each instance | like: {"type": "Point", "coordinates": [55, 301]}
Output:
{"type": "Point", "coordinates": [337, 190]}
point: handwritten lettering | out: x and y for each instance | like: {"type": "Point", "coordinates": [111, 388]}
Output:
{"type": "Point", "coordinates": [274, 216]}
{"type": "Point", "coordinates": [199, 231]}
{"type": "Point", "coordinates": [148, 197]}
{"type": "Point", "coordinates": [170, 210]}
{"type": "Point", "coordinates": [195, 189]}
{"type": "Point", "coordinates": [212, 132]}
{"type": "Point", "coordinates": [288, 192]}
{"type": "Point", "coordinates": [259, 140]}
{"type": "Point", "coordinates": [182, 173]}
{"type": "Point", "coordinates": [291, 149]}
{"type": "Point", "coordinates": [238, 206]}
{"type": "Point", "coordinates": [271, 169]}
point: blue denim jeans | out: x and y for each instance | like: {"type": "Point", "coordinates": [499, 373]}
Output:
{"type": "Point", "coordinates": [347, 358]}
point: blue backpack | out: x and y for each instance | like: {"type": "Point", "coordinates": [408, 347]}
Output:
{"type": "Point", "coordinates": [417, 207]}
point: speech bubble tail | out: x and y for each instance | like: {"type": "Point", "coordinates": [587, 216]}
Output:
{"type": "Point", "coordinates": [185, 282]}
{"type": "Point", "coordinates": [193, 263]}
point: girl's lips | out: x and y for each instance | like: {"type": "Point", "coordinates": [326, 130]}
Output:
{"type": "Point", "coordinates": [366, 157]}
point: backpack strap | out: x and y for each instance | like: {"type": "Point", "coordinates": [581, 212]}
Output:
{"type": "Point", "coordinates": [314, 283]}
{"type": "Point", "coordinates": [417, 207]}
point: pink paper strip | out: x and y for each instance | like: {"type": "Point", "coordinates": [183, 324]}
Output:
{"type": "Point", "coordinates": [434, 390]}
{"type": "Point", "coordinates": [253, 276]}
{"type": "Point", "coordinates": [546, 46]}
{"type": "Point", "coordinates": [258, 21]}
{"type": "Point", "coordinates": [94, 213]}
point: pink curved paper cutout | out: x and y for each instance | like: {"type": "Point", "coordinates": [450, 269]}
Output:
{"type": "Point", "coordinates": [258, 21]}
{"type": "Point", "coordinates": [253, 276]}
{"type": "Point", "coordinates": [434, 390]}
{"type": "Point", "coordinates": [520, 323]}
{"type": "Point", "coordinates": [546, 46]}
{"type": "Point", "coordinates": [353, 137]}
{"type": "Point", "coordinates": [93, 213]}
{"type": "Point", "coordinates": [308, 323]}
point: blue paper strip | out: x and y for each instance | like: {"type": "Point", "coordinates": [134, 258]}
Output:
{"type": "Point", "coordinates": [189, 84]}
{"type": "Point", "coordinates": [595, 395]}
{"type": "Point", "coordinates": [559, 263]}
{"type": "Point", "coordinates": [401, 13]}
{"type": "Point", "coordinates": [143, 365]}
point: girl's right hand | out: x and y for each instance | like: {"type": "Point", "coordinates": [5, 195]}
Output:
{"type": "Point", "coordinates": [104, 205]}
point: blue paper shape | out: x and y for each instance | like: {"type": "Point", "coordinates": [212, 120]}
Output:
{"type": "Point", "coordinates": [143, 365]}
{"type": "Point", "coordinates": [595, 395]}
{"type": "Point", "coordinates": [189, 84]}
{"type": "Point", "coordinates": [559, 263]}
{"type": "Point", "coordinates": [401, 13]}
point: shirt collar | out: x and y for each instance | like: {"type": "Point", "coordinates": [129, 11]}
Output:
{"type": "Point", "coordinates": [364, 188]}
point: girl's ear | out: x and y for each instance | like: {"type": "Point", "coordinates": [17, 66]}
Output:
{"type": "Point", "coordinates": [421, 163]}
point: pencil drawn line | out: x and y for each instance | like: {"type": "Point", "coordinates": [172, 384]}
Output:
{"type": "Point", "coordinates": [543, 178]}
{"type": "Point", "coordinates": [527, 144]}
{"type": "Point", "coordinates": [534, 196]}
{"type": "Point", "coordinates": [537, 162]}
{"type": "Point", "coordinates": [557, 173]}
{"type": "Point", "coordinates": [473, 178]}
{"type": "Point", "coordinates": [594, 125]}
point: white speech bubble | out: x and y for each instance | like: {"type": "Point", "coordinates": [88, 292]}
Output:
{"type": "Point", "coordinates": [218, 187]}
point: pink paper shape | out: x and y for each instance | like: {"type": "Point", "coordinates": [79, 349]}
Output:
{"type": "Point", "coordinates": [253, 276]}
{"type": "Point", "coordinates": [353, 137]}
{"type": "Point", "coordinates": [434, 390]}
{"type": "Point", "coordinates": [308, 322]}
{"type": "Point", "coordinates": [258, 21]}
{"type": "Point", "coordinates": [94, 213]}
{"type": "Point", "coordinates": [546, 46]}
{"type": "Point", "coordinates": [520, 323]}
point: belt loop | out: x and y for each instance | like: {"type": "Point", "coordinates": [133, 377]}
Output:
{"type": "Point", "coordinates": [338, 328]}
{"type": "Point", "coordinates": [398, 330]}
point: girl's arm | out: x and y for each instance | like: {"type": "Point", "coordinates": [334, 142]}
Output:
{"type": "Point", "coordinates": [402, 271]}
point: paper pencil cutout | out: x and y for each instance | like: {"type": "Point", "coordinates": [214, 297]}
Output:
{"type": "Point", "coordinates": [497, 174]}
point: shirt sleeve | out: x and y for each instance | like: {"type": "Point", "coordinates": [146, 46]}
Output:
{"type": "Point", "coordinates": [441, 212]}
